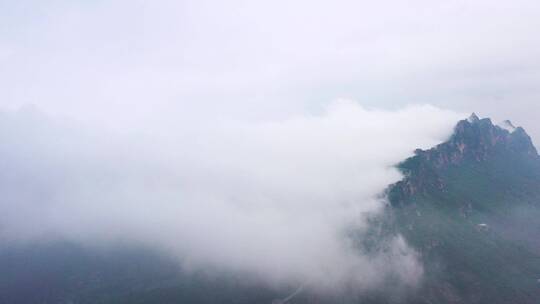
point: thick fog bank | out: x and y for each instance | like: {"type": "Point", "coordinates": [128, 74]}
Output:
{"type": "Point", "coordinates": [270, 199]}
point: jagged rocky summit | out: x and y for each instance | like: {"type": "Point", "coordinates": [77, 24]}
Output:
{"type": "Point", "coordinates": [473, 140]}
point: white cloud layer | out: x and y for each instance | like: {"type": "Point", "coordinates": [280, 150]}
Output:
{"type": "Point", "coordinates": [272, 199]}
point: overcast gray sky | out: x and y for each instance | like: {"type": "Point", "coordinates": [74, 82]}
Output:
{"type": "Point", "coordinates": [126, 63]}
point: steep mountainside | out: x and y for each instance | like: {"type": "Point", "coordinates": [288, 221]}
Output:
{"type": "Point", "coordinates": [471, 207]}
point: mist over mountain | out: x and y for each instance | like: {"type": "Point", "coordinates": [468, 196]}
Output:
{"type": "Point", "coordinates": [275, 202]}
{"type": "Point", "coordinates": [459, 227]}
{"type": "Point", "coordinates": [307, 151]}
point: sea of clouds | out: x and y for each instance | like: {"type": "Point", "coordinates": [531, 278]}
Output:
{"type": "Point", "coordinates": [272, 199]}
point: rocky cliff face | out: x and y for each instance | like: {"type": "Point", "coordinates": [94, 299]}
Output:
{"type": "Point", "coordinates": [473, 140]}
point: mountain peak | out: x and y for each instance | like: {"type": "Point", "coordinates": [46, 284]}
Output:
{"type": "Point", "coordinates": [480, 139]}
{"type": "Point", "coordinates": [507, 125]}
{"type": "Point", "coordinates": [473, 118]}
{"type": "Point", "coordinates": [474, 141]}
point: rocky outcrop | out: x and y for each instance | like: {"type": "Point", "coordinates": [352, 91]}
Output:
{"type": "Point", "coordinates": [473, 140]}
{"type": "Point", "coordinates": [479, 140]}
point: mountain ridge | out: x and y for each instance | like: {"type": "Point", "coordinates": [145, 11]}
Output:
{"type": "Point", "coordinates": [473, 140]}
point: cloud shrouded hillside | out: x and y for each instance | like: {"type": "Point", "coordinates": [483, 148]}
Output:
{"type": "Point", "coordinates": [272, 199]}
